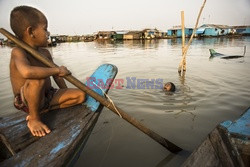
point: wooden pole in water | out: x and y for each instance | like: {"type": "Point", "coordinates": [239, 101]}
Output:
{"type": "Point", "coordinates": [183, 40]}
{"type": "Point", "coordinates": [180, 69]}
{"type": "Point", "coordinates": [164, 142]}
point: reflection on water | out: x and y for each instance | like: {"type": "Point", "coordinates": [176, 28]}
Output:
{"type": "Point", "coordinates": [187, 99]}
{"type": "Point", "coordinates": [131, 44]}
{"type": "Point", "coordinates": [221, 41]}
{"type": "Point", "coordinates": [209, 93]}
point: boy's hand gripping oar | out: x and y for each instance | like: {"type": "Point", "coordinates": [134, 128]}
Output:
{"type": "Point", "coordinates": [164, 142]}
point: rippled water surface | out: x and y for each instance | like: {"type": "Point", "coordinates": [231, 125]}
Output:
{"type": "Point", "coordinates": [210, 92]}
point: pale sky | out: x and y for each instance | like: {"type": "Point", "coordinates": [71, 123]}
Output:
{"type": "Point", "coordinates": [79, 17]}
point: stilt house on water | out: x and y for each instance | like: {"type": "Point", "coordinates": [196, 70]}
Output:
{"type": "Point", "coordinates": [61, 38]}
{"type": "Point", "coordinates": [151, 34]}
{"type": "Point", "coordinates": [105, 35]}
{"type": "Point", "coordinates": [119, 35]}
{"type": "Point", "coordinates": [176, 31]}
{"type": "Point", "coordinates": [213, 30]}
{"type": "Point", "coordinates": [241, 30]}
{"type": "Point", "coordinates": [133, 35]}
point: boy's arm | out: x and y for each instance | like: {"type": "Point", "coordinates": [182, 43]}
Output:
{"type": "Point", "coordinates": [60, 82]}
{"type": "Point", "coordinates": [27, 70]}
{"type": "Point", "coordinates": [34, 72]}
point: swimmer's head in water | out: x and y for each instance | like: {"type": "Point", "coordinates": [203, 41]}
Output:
{"type": "Point", "coordinates": [169, 86]}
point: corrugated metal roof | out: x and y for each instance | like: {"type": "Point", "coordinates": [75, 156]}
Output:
{"type": "Point", "coordinates": [248, 26]}
{"type": "Point", "coordinates": [200, 30]}
{"type": "Point", "coordinates": [106, 32]}
{"type": "Point", "coordinates": [134, 32]}
{"type": "Point", "coordinates": [121, 32]}
{"type": "Point", "coordinates": [178, 28]}
{"type": "Point", "coordinates": [215, 26]}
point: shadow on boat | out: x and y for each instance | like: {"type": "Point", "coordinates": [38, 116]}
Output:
{"type": "Point", "coordinates": [168, 159]}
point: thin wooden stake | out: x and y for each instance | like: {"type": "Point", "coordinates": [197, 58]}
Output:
{"type": "Point", "coordinates": [181, 69]}
{"type": "Point", "coordinates": [183, 40]}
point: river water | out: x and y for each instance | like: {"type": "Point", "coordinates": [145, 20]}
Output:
{"type": "Point", "coordinates": [211, 91]}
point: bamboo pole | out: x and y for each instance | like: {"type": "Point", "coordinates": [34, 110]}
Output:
{"type": "Point", "coordinates": [181, 69]}
{"type": "Point", "coordinates": [183, 39]}
{"type": "Point", "coordinates": [164, 142]}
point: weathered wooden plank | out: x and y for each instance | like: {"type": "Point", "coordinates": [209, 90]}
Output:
{"type": "Point", "coordinates": [52, 119]}
{"type": "Point", "coordinates": [216, 150]}
{"type": "Point", "coordinates": [11, 119]}
{"type": "Point", "coordinates": [223, 147]}
{"type": "Point", "coordinates": [204, 156]}
{"type": "Point", "coordinates": [243, 147]}
{"type": "Point", "coordinates": [229, 142]}
{"type": "Point", "coordinates": [50, 150]}
{"type": "Point", "coordinates": [6, 150]}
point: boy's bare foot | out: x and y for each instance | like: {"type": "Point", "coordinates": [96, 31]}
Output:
{"type": "Point", "coordinates": [37, 128]}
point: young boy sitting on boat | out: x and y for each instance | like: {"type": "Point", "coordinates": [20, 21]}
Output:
{"type": "Point", "coordinates": [30, 78]}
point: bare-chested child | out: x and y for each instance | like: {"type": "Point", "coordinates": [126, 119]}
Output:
{"type": "Point", "coordinates": [30, 79]}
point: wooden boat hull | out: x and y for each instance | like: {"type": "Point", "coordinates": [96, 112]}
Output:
{"type": "Point", "coordinates": [227, 145]}
{"type": "Point", "coordinates": [70, 130]}
{"type": "Point", "coordinates": [70, 126]}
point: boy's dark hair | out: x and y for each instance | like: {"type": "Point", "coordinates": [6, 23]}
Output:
{"type": "Point", "coordinates": [22, 17]}
{"type": "Point", "coordinates": [172, 87]}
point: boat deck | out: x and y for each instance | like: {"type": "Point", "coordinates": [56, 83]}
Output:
{"type": "Point", "coordinates": [69, 127]}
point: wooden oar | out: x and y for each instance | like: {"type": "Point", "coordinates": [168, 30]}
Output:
{"type": "Point", "coordinates": [164, 142]}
